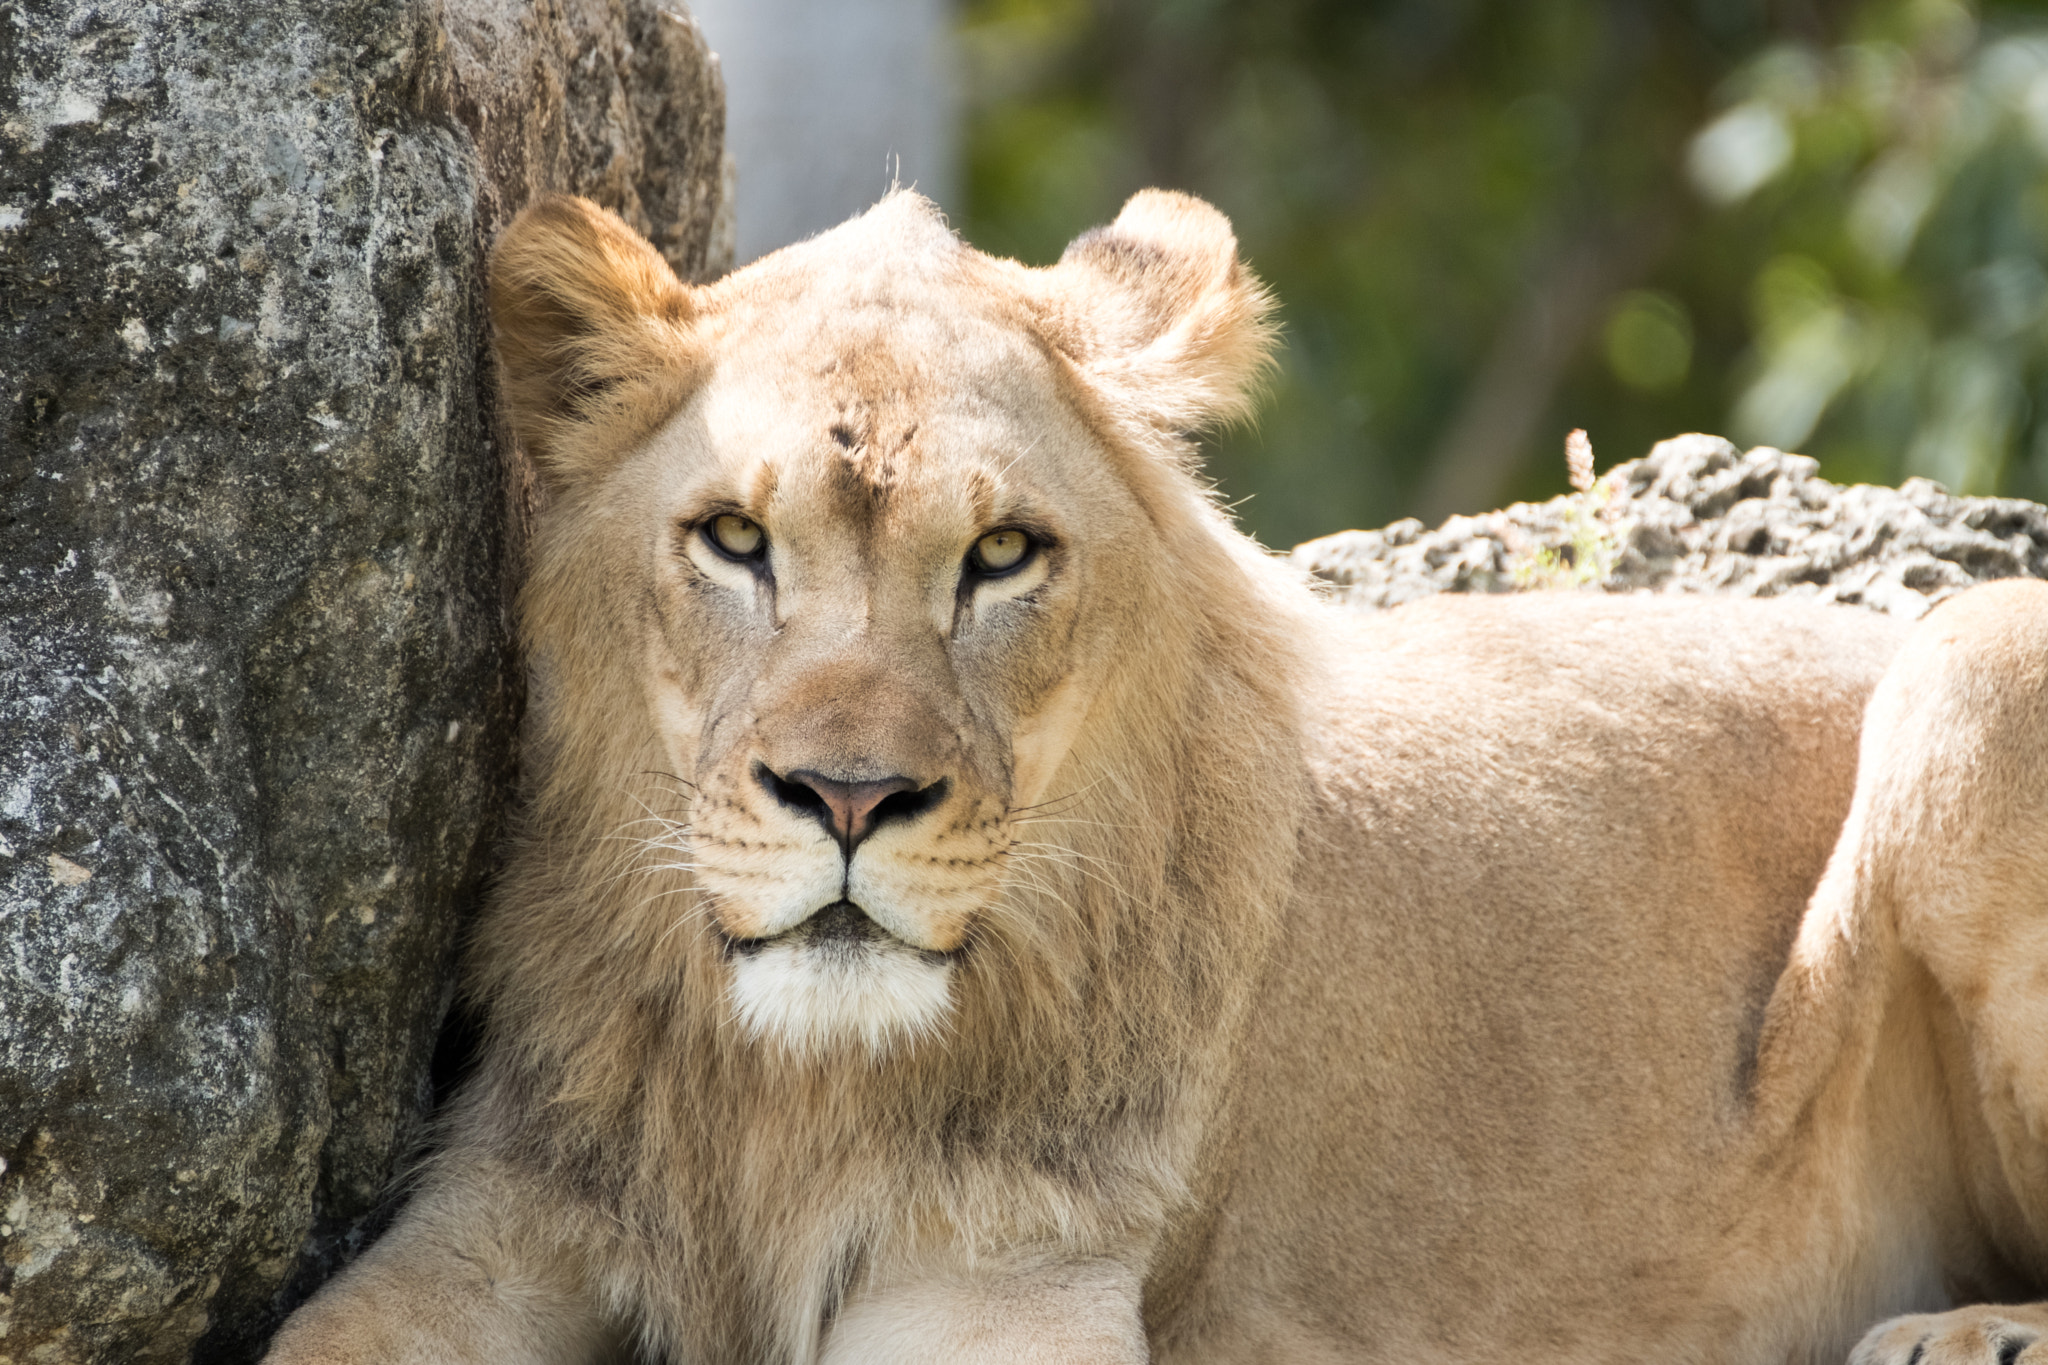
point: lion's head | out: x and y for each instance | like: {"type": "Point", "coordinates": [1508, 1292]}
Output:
{"type": "Point", "coordinates": [872, 593]}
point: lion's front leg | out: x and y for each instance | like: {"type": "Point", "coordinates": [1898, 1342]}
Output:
{"type": "Point", "coordinates": [1989, 1334]}
{"type": "Point", "coordinates": [1070, 1312]}
{"type": "Point", "coordinates": [470, 1274]}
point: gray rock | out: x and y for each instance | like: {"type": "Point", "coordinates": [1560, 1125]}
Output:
{"type": "Point", "coordinates": [1698, 515]}
{"type": "Point", "coordinates": [257, 694]}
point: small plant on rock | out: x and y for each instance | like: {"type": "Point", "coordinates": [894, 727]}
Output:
{"type": "Point", "coordinates": [1591, 544]}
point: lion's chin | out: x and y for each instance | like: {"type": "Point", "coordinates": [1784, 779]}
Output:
{"type": "Point", "coordinates": [824, 987]}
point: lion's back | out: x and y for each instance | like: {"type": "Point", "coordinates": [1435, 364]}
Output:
{"type": "Point", "coordinates": [1560, 846]}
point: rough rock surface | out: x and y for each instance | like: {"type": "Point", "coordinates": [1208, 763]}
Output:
{"type": "Point", "coordinates": [257, 697]}
{"type": "Point", "coordinates": [1698, 515]}
{"type": "Point", "coordinates": [618, 101]}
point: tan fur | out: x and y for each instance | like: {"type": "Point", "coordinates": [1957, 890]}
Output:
{"type": "Point", "coordinates": [1234, 980]}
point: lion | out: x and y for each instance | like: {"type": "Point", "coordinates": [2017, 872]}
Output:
{"type": "Point", "coordinates": [972, 904]}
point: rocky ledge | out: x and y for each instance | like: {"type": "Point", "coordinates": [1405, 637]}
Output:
{"type": "Point", "coordinates": [1698, 515]}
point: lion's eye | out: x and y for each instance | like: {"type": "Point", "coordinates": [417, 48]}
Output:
{"type": "Point", "coordinates": [999, 552]}
{"type": "Point", "coordinates": [734, 536]}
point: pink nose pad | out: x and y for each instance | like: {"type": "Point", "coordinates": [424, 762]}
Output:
{"type": "Point", "coordinates": [850, 810]}
{"type": "Point", "coordinates": [852, 804]}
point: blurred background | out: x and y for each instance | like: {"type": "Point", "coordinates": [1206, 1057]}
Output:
{"type": "Point", "coordinates": [1815, 224]}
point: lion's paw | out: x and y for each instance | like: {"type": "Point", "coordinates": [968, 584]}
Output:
{"type": "Point", "coordinates": [1988, 1334]}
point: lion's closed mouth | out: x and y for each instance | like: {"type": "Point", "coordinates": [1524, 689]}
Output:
{"type": "Point", "coordinates": [841, 928]}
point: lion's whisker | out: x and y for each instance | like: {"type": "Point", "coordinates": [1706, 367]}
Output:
{"type": "Point", "coordinates": [1080, 862]}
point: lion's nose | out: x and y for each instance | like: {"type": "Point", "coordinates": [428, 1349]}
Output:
{"type": "Point", "coordinates": [850, 810]}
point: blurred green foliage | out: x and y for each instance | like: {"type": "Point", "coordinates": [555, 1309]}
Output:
{"type": "Point", "coordinates": [1819, 224]}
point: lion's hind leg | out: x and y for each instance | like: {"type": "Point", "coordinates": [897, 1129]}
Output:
{"type": "Point", "coordinates": [1954, 841]}
{"type": "Point", "coordinates": [1963, 836]}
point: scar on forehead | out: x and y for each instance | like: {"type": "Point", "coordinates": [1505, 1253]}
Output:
{"type": "Point", "coordinates": [869, 456]}
{"type": "Point", "coordinates": [852, 437]}
{"type": "Point", "coordinates": [852, 424]}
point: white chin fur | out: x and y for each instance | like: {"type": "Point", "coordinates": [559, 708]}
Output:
{"type": "Point", "coordinates": [813, 998]}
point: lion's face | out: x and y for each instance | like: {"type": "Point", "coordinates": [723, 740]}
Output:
{"type": "Point", "coordinates": [868, 652]}
{"type": "Point", "coordinates": [864, 571]}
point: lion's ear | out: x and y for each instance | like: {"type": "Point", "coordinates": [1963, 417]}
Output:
{"type": "Point", "coordinates": [1159, 310]}
{"type": "Point", "coordinates": [585, 314]}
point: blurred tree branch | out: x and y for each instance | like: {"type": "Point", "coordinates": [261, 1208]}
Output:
{"type": "Point", "coordinates": [1500, 416]}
